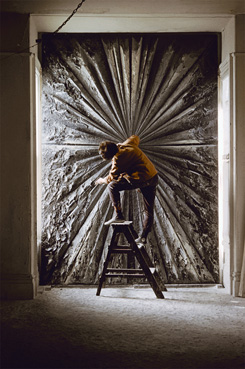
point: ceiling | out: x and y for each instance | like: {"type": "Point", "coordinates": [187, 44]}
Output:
{"type": "Point", "coordinates": [109, 7]}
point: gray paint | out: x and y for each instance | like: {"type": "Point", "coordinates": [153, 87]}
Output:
{"type": "Point", "coordinates": [161, 87]}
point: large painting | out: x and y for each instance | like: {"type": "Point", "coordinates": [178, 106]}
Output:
{"type": "Point", "coordinates": [161, 87]}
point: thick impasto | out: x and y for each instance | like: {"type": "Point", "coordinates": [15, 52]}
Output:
{"type": "Point", "coordinates": [161, 87]}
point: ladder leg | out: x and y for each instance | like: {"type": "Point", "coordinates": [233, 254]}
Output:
{"type": "Point", "coordinates": [134, 233]}
{"type": "Point", "coordinates": [113, 242]}
{"type": "Point", "coordinates": [143, 263]}
{"type": "Point", "coordinates": [99, 287]}
{"type": "Point", "coordinates": [141, 255]}
{"type": "Point", "coordinates": [150, 264]}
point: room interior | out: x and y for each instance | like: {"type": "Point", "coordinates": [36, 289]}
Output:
{"type": "Point", "coordinates": [44, 326]}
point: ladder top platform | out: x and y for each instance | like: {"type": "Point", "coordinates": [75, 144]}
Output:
{"type": "Point", "coordinates": [125, 223]}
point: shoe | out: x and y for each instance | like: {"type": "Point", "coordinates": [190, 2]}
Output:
{"type": "Point", "coordinates": [141, 240]}
{"type": "Point", "coordinates": [115, 219]}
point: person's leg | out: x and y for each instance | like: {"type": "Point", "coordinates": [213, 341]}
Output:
{"type": "Point", "coordinates": [148, 190]}
{"type": "Point", "coordinates": [149, 193]}
{"type": "Point", "coordinates": [114, 188]}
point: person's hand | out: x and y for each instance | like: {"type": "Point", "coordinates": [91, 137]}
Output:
{"type": "Point", "coordinates": [100, 181]}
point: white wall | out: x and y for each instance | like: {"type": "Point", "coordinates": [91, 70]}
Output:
{"type": "Point", "coordinates": [232, 153]}
{"type": "Point", "coordinates": [18, 223]}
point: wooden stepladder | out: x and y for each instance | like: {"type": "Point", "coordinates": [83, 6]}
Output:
{"type": "Point", "coordinates": [138, 251]}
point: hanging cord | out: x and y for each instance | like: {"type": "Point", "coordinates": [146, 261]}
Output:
{"type": "Point", "coordinates": [70, 16]}
{"type": "Point", "coordinates": [39, 40]}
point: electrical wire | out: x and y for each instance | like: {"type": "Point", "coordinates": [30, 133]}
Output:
{"type": "Point", "coordinates": [39, 40]}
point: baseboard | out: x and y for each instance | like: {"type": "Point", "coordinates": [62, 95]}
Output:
{"type": "Point", "coordinates": [18, 287]}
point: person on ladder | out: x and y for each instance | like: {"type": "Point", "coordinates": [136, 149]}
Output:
{"type": "Point", "coordinates": [130, 169]}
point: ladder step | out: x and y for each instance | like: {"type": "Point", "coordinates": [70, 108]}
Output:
{"type": "Point", "coordinates": [125, 270]}
{"type": "Point", "coordinates": [125, 223]}
{"type": "Point", "coordinates": [124, 246]}
{"type": "Point", "coordinates": [111, 275]}
{"type": "Point", "coordinates": [121, 250]}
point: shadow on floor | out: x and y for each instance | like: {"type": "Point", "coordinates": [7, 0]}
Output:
{"type": "Point", "coordinates": [124, 328]}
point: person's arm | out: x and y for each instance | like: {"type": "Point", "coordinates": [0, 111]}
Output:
{"type": "Point", "coordinates": [118, 166]}
{"type": "Point", "coordinates": [113, 174]}
{"type": "Point", "coordinates": [101, 181]}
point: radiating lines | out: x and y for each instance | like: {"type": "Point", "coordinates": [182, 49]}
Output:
{"type": "Point", "coordinates": [107, 87]}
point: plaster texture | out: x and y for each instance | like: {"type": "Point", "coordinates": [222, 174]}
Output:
{"type": "Point", "coordinates": [106, 87]}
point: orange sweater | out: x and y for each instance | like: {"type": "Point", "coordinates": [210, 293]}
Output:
{"type": "Point", "coordinates": [131, 163]}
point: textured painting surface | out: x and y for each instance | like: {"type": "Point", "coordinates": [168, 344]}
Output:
{"type": "Point", "coordinates": [161, 87]}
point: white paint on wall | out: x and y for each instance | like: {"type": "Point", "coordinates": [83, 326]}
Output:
{"type": "Point", "coordinates": [131, 23]}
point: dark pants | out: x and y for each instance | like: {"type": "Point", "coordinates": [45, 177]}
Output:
{"type": "Point", "coordinates": [148, 190]}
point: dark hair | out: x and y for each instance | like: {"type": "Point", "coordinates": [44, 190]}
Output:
{"type": "Point", "coordinates": [108, 149]}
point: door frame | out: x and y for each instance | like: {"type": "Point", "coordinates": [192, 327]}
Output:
{"type": "Point", "coordinates": [82, 23]}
